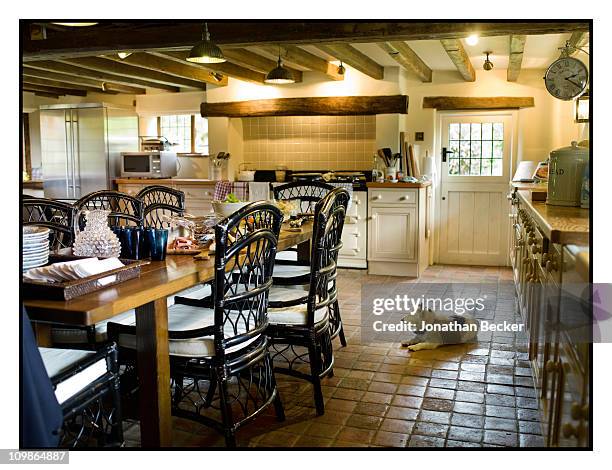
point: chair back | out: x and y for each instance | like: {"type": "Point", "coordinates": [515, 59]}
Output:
{"type": "Point", "coordinates": [159, 201]}
{"type": "Point", "coordinates": [326, 244]}
{"type": "Point", "coordinates": [124, 209]}
{"type": "Point", "coordinates": [246, 245]}
{"type": "Point", "coordinates": [55, 215]}
{"type": "Point", "coordinates": [308, 193]}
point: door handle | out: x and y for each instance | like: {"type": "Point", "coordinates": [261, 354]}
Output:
{"type": "Point", "coordinates": [445, 152]}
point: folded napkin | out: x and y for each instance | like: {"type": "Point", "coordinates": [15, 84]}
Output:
{"type": "Point", "coordinates": [76, 269]}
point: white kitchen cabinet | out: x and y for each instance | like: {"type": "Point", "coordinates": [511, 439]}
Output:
{"type": "Point", "coordinates": [397, 245]}
{"type": "Point", "coordinates": [354, 233]}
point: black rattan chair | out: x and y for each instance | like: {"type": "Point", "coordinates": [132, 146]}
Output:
{"type": "Point", "coordinates": [221, 370]}
{"type": "Point", "coordinates": [86, 385]}
{"type": "Point", "coordinates": [55, 215]}
{"type": "Point", "coordinates": [289, 270]}
{"type": "Point", "coordinates": [125, 209]}
{"type": "Point", "coordinates": [303, 322]}
{"type": "Point", "coordinates": [159, 201]}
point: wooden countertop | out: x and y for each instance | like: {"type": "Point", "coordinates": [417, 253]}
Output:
{"type": "Point", "coordinates": [529, 186]}
{"type": "Point", "coordinates": [163, 181]}
{"type": "Point", "coordinates": [32, 184]}
{"type": "Point", "coordinates": [560, 224]}
{"type": "Point", "coordinates": [398, 185]}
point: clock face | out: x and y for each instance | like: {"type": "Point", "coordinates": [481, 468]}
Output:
{"type": "Point", "coordinates": [566, 78]}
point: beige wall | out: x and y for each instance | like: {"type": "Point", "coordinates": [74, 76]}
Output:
{"type": "Point", "coordinates": [548, 125]}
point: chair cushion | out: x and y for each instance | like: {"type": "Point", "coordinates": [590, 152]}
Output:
{"type": "Point", "coordinates": [295, 315]}
{"type": "Point", "coordinates": [185, 318]}
{"type": "Point", "coordinates": [287, 255]}
{"type": "Point", "coordinates": [79, 335]}
{"type": "Point", "coordinates": [290, 270]}
{"type": "Point", "coordinates": [288, 293]}
{"type": "Point", "coordinates": [57, 361]}
{"type": "Point", "coordinates": [196, 292]}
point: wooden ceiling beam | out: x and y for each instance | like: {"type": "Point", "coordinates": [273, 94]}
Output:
{"type": "Point", "coordinates": [250, 60]}
{"type": "Point", "coordinates": [105, 65]}
{"type": "Point", "coordinates": [224, 68]}
{"type": "Point", "coordinates": [296, 57]}
{"type": "Point", "coordinates": [179, 36]}
{"type": "Point", "coordinates": [54, 90]}
{"type": "Point", "coordinates": [169, 67]}
{"type": "Point", "coordinates": [579, 39]}
{"type": "Point", "coordinates": [54, 83]}
{"type": "Point", "coordinates": [517, 47]}
{"type": "Point", "coordinates": [42, 93]}
{"type": "Point", "coordinates": [448, 103]}
{"type": "Point", "coordinates": [403, 54]}
{"type": "Point", "coordinates": [82, 82]}
{"type": "Point", "coordinates": [61, 67]}
{"type": "Point", "coordinates": [457, 54]}
{"type": "Point", "coordinates": [355, 58]}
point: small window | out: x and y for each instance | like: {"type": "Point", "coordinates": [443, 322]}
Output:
{"type": "Point", "coordinates": [478, 149]}
{"type": "Point", "coordinates": [188, 131]}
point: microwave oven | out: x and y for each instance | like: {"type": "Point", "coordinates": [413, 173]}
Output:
{"type": "Point", "coordinates": [154, 164]}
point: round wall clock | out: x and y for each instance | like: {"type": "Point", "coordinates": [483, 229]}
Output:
{"type": "Point", "coordinates": [566, 78]}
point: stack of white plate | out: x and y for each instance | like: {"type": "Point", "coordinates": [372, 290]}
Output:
{"type": "Point", "coordinates": [35, 247]}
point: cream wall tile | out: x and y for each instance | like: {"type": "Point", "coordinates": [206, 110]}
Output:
{"type": "Point", "coordinates": [310, 142]}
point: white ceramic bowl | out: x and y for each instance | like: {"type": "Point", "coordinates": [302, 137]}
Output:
{"type": "Point", "coordinates": [225, 209]}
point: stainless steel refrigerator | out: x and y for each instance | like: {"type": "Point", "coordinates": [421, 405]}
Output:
{"type": "Point", "coordinates": [81, 146]}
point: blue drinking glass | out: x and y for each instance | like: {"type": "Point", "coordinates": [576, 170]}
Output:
{"type": "Point", "coordinates": [137, 235]}
{"type": "Point", "coordinates": [125, 237]}
{"type": "Point", "coordinates": [157, 239]}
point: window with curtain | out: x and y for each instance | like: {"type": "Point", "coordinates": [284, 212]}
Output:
{"type": "Point", "coordinates": [188, 131]}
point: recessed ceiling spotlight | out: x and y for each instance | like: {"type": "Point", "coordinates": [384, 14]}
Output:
{"type": "Point", "coordinates": [472, 40]}
{"type": "Point", "coordinates": [124, 55]}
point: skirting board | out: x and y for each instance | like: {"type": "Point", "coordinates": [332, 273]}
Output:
{"type": "Point", "coordinates": [388, 268]}
{"type": "Point", "coordinates": [352, 263]}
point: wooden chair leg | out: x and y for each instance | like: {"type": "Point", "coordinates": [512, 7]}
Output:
{"type": "Point", "coordinates": [278, 404]}
{"type": "Point", "coordinates": [315, 373]}
{"type": "Point", "coordinates": [226, 414]}
{"type": "Point", "coordinates": [341, 332]}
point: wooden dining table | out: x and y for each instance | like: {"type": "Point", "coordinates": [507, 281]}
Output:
{"type": "Point", "coordinates": [146, 294]}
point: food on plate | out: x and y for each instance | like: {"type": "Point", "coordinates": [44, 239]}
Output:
{"type": "Point", "coordinates": [184, 243]}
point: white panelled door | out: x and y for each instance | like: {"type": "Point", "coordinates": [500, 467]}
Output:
{"type": "Point", "coordinates": [474, 182]}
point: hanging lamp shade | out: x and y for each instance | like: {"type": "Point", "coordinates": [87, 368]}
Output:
{"type": "Point", "coordinates": [279, 75]}
{"type": "Point", "coordinates": [206, 51]}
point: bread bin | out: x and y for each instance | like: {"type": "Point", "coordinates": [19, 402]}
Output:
{"type": "Point", "coordinates": [565, 172]}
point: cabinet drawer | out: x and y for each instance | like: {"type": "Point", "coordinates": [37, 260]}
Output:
{"type": "Point", "coordinates": [197, 192]}
{"type": "Point", "coordinates": [389, 196]}
{"type": "Point", "coordinates": [198, 208]}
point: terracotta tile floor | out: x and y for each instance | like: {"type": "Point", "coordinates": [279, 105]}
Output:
{"type": "Point", "coordinates": [477, 395]}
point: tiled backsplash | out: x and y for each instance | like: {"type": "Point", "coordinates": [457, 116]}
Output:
{"type": "Point", "coordinates": [310, 142]}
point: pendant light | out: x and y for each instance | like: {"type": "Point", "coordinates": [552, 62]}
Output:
{"type": "Point", "coordinates": [279, 75]}
{"type": "Point", "coordinates": [341, 69]}
{"type": "Point", "coordinates": [206, 51]}
{"type": "Point", "coordinates": [488, 65]}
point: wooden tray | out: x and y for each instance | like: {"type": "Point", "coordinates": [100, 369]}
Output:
{"type": "Point", "coordinates": [71, 289]}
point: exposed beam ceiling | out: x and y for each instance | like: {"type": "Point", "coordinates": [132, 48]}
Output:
{"type": "Point", "coordinates": [403, 54]}
{"type": "Point", "coordinates": [54, 90]}
{"type": "Point", "coordinates": [103, 40]}
{"type": "Point", "coordinates": [42, 93]}
{"type": "Point", "coordinates": [105, 65]}
{"type": "Point", "coordinates": [297, 57]}
{"type": "Point", "coordinates": [579, 39]}
{"type": "Point", "coordinates": [517, 46]}
{"type": "Point", "coordinates": [57, 84]}
{"type": "Point", "coordinates": [169, 67]}
{"type": "Point", "coordinates": [80, 81]}
{"type": "Point", "coordinates": [96, 75]}
{"type": "Point", "coordinates": [457, 54]}
{"type": "Point", "coordinates": [225, 68]}
{"type": "Point", "coordinates": [355, 58]}
{"type": "Point", "coordinates": [256, 62]}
